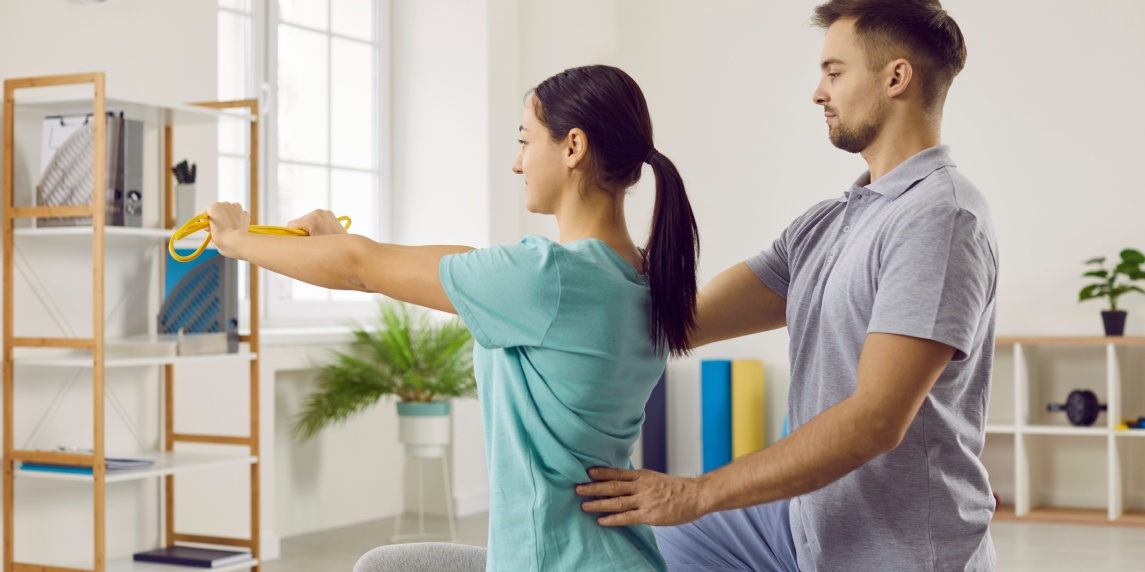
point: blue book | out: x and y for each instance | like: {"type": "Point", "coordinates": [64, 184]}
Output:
{"type": "Point", "coordinates": [655, 431]}
{"type": "Point", "coordinates": [716, 412]}
{"type": "Point", "coordinates": [191, 556]}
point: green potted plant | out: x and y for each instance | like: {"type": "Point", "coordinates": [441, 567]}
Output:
{"type": "Point", "coordinates": [423, 362]}
{"type": "Point", "coordinates": [1109, 287]}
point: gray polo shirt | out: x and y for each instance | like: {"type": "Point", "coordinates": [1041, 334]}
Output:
{"type": "Point", "coordinates": [914, 254]}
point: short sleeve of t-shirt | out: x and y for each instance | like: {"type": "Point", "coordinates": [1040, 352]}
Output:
{"type": "Point", "coordinates": [773, 265]}
{"type": "Point", "coordinates": [935, 278]}
{"type": "Point", "coordinates": [506, 295]}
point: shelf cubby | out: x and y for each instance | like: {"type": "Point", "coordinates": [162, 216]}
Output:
{"type": "Point", "coordinates": [1047, 470]}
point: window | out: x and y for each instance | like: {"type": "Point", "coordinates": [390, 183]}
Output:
{"type": "Point", "coordinates": [325, 64]}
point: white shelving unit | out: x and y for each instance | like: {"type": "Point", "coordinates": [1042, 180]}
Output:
{"type": "Point", "coordinates": [54, 95]}
{"type": "Point", "coordinates": [1049, 456]}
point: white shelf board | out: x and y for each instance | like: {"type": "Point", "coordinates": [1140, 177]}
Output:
{"type": "Point", "coordinates": [112, 234]}
{"type": "Point", "coordinates": [1130, 433]}
{"type": "Point", "coordinates": [1001, 429]}
{"type": "Point", "coordinates": [165, 464]}
{"type": "Point", "coordinates": [1073, 431]}
{"type": "Point", "coordinates": [65, 101]}
{"type": "Point", "coordinates": [129, 565]}
{"type": "Point", "coordinates": [115, 235]}
{"type": "Point", "coordinates": [85, 360]}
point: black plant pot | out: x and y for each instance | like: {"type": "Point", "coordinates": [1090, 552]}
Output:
{"type": "Point", "coordinates": [1114, 322]}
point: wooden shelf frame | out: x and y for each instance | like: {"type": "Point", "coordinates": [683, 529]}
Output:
{"type": "Point", "coordinates": [99, 232]}
{"type": "Point", "coordinates": [1022, 430]}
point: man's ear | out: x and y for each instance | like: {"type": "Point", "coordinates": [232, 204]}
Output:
{"type": "Point", "coordinates": [575, 147]}
{"type": "Point", "coordinates": [899, 78]}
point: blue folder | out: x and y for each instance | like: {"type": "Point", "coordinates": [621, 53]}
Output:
{"type": "Point", "coordinates": [716, 413]}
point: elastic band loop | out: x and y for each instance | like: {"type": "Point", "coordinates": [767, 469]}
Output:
{"type": "Point", "coordinates": [201, 222]}
{"type": "Point", "coordinates": [651, 153]}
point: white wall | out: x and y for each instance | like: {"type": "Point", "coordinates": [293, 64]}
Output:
{"type": "Point", "coordinates": [1041, 120]}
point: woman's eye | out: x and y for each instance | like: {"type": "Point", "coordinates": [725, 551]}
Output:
{"type": "Point", "coordinates": [521, 141]}
{"type": "Point", "coordinates": [833, 75]}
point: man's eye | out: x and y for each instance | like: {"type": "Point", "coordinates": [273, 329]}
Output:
{"type": "Point", "coordinates": [833, 75]}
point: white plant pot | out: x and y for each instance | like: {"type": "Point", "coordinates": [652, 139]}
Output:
{"type": "Point", "coordinates": [424, 428]}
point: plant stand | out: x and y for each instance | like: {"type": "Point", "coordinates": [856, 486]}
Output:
{"type": "Point", "coordinates": [423, 453]}
{"type": "Point", "coordinates": [425, 429]}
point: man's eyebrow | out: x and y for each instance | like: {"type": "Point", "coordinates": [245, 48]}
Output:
{"type": "Point", "coordinates": [829, 62]}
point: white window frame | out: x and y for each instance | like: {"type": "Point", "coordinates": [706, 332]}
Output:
{"type": "Point", "coordinates": [285, 313]}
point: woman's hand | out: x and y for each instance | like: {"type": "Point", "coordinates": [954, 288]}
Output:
{"type": "Point", "coordinates": [229, 224]}
{"type": "Point", "coordinates": [318, 222]}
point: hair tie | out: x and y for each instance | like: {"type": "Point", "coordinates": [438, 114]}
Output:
{"type": "Point", "coordinates": [651, 153]}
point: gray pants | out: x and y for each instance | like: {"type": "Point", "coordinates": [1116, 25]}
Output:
{"type": "Point", "coordinates": [423, 557]}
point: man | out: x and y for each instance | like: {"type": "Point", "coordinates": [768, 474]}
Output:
{"type": "Point", "coordinates": [888, 294]}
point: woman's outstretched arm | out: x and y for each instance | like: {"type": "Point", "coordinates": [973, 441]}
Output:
{"type": "Point", "coordinates": [338, 261]}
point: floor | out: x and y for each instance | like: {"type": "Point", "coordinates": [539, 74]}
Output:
{"type": "Point", "coordinates": [1021, 547]}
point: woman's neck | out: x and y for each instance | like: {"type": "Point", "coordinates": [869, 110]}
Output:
{"type": "Point", "coordinates": [599, 214]}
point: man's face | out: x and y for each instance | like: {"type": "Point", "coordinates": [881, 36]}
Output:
{"type": "Point", "coordinates": [853, 99]}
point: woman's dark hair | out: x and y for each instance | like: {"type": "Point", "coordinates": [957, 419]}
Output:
{"type": "Point", "coordinates": [609, 107]}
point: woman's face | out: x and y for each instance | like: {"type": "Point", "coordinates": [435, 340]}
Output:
{"type": "Point", "coordinates": [542, 162]}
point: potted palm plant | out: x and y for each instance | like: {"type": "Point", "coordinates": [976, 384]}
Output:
{"type": "Point", "coordinates": [1109, 287]}
{"type": "Point", "coordinates": [424, 363]}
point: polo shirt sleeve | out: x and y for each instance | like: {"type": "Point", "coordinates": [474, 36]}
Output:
{"type": "Point", "coordinates": [772, 266]}
{"type": "Point", "coordinates": [936, 277]}
{"type": "Point", "coordinates": [506, 295]}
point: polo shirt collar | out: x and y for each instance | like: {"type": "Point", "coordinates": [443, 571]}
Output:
{"type": "Point", "coordinates": [905, 175]}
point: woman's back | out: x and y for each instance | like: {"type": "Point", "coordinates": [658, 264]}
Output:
{"type": "Point", "coordinates": [565, 364]}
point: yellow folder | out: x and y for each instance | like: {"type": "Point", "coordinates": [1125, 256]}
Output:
{"type": "Point", "coordinates": [748, 414]}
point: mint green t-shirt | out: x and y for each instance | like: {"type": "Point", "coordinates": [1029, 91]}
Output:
{"type": "Point", "coordinates": [564, 363]}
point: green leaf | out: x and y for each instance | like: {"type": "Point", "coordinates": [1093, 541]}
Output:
{"type": "Point", "coordinates": [1092, 291]}
{"type": "Point", "coordinates": [1127, 268]}
{"type": "Point", "coordinates": [1132, 256]}
{"type": "Point", "coordinates": [1098, 260]}
{"type": "Point", "coordinates": [1097, 274]}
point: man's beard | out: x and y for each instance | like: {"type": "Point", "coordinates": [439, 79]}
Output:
{"type": "Point", "coordinates": [855, 139]}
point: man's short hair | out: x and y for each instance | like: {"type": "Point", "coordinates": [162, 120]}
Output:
{"type": "Point", "coordinates": [918, 30]}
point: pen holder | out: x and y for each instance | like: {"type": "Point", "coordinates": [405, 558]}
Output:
{"type": "Point", "coordinates": [184, 203]}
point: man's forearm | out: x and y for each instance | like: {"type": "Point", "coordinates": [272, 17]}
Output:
{"type": "Point", "coordinates": [834, 443]}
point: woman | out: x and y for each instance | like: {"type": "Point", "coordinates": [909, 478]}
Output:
{"type": "Point", "coordinates": [572, 336]}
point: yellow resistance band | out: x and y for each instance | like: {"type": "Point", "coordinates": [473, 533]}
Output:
{"type": "Point", "coordinates": [201, 222]}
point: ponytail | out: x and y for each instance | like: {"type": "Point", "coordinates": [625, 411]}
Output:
{"type": "Point", "coordinates": [672, 251]}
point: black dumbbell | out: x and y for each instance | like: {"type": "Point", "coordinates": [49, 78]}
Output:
{"type": "Point", "coordinates": [1081, 407]}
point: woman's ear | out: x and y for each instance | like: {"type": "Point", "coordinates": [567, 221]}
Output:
{"type": "Point", "coordinates": [575, 148]}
